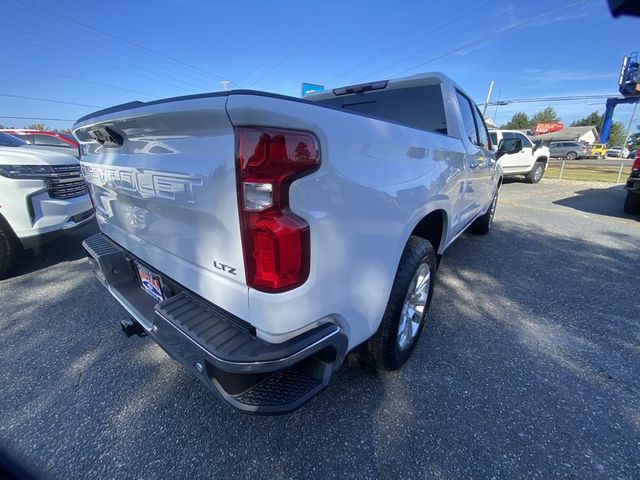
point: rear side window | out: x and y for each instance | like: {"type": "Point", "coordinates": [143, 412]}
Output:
{"type": "Point", "coordinates": [418, 107]}
{"type": "Point", "coordinates": [525, 141]}
{"type": "Point", "coordinates": [483, 134]}
{"type": "Point", "coordinates": [468, 123]}
{"type": "Point", "coordinates": [494, 137]}
{"type": "Point", "coordinates": [27, 138]}
{"type": "Point", "coordinates": [49, 140]}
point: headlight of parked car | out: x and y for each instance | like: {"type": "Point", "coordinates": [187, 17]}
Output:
{"type": "Point", "coordinates": [26, 171]}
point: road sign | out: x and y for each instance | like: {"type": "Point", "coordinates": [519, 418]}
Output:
{"type": "Point", "coordinates": [308, 88]}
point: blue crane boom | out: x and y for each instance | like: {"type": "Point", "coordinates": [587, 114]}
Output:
{"type": "Point", "coordinates": [629, 87]}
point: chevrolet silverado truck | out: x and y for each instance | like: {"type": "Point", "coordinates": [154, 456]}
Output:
{"type": "Point", "coordinates": [531, 161]}
{"type": "Point", "coordinates": [42, 196]}
{"type": "Point", "coordinates": [259, 238]}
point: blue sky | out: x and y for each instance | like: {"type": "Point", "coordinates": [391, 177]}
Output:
{"type": "Point", "coordinates": [126, 50]}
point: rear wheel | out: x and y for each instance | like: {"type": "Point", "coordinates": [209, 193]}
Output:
{"type": "Point", "coordinates": [8, 249]}
{"type": "Point", "coordinates": [632, 203]}
{"type": "Point", "coordinates": [536, 173]}
{"type": "Point", "coordinates": [406, 311]}
{"type": "Point", "coordinates": [482, 224]}
{"type": "Point", "coordinates": [571, 156]}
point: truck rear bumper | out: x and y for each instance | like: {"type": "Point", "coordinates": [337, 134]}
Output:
{"type": "Point", "coordinates": [221, 350]}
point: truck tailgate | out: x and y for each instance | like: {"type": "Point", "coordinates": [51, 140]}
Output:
{"type": "Point", "coordinates": [163, 181]}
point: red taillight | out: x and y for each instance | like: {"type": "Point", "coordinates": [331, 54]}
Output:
{"type": "Point", "coordinates": [275, 241]}
{"type": "Point", "coordinates": [636, 163]}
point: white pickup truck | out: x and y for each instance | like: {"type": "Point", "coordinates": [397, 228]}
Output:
{"type": "Point", "coordinates": [259, 238]}
{"type": "Point", "coordinates": [531, 161]}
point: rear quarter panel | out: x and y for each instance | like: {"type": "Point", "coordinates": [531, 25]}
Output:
{"type": "Point", "coordinates": [375, 183]}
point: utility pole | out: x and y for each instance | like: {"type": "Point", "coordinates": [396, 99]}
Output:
{"type": "Point", "coordinates": [486, 102]}
{"type": "Point", "coordinates": [626, 137]}
{"type": "Point", "coordinates": [225, 84]}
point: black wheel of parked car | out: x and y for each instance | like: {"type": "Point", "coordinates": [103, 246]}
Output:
{"type": "Point", "coordinates": [536, 173]}
{"type": "Point", "coordinates": [8, 249]}
{"type": "Point", "coordinates": [632, 203]}
{"type": "Point", "coordinates": [406, 311]}
{"type": "Point", "coordinates": [482, 224]}
{"type": "Point", "coordinates": [571, 156]}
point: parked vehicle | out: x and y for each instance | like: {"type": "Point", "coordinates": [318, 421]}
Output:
{"type": "Point", "coordinates": [42, 195]}
{"type": "Point", "coordinates": [598, 150]}
{"type": "Point", "coordinates": [632, 155]}
{"type": "Point", "coordinates": [261, 237]}
{"type": "Point", "coordinates": [632, 200]}
{"type": "Point", "coordinates": [531, 161]}
{"type": "Point", "coordinates": [570, 150]}
{"type": "Point", "coordinates": [617, 152]}
{"type": "Point", "coordinates": [53, 141]}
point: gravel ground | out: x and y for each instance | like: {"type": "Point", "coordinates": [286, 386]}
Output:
{"type": "Point", "coordinates": [527, 369]}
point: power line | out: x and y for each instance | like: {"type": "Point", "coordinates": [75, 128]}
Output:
{"type": "Point", "coordinates": [409, 42]}
{"type": "Point", "coordinates": [80, 57]}
{"type": "Point", "coordinates": [39, 118]}
{"type": "Point", "coordinates": [499, 32]}
{"type": "Point", "coordinates": [433, 45]}
{"type": "Point", "coordinates": [268, 71]}
{"type": "Point", "coordinates": [49, 100]}
{"type": "Point", "coordinates": [68, 77]}
{"type": "Point", "coordinates": [96, 53]}
{"type": "Point", "coordinates": [106, 47]}
{"type": "Point", "coordinates": [567, 98]}
{"type": "Point", "coordinates": [121, 39]}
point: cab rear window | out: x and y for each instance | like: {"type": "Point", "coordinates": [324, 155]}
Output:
{"type": "Point", "coordinates": [418, 107]}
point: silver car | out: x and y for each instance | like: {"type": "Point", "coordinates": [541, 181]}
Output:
{"type": "Point", "coordinates": [571, 150]}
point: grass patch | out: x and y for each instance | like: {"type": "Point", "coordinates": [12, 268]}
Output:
{"type": "Point", "coordinates": [598, 174]}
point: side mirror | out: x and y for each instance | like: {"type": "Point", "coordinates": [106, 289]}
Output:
{"type": "Point", "coordinates": [508, 146]}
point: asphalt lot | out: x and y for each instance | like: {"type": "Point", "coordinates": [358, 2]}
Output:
{"type": "Point", "coordinates": [528, 369]}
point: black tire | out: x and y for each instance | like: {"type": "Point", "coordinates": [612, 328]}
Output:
{"type": "Point", "coordinates": [482, 224]}
{"type": "Point", "coordinates": [384, 349]}
{"type": "Point", "coordinates": [632, 203]}
{"type": "Point", "coordinates": [8, 249]}
{"type": "Point", "coordinates": [536, 173]}
{"type": "Point", "coordinates": [571, 156]}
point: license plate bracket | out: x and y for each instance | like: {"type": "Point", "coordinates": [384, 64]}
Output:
{"type": "Point", "coordinates": [150, 282]}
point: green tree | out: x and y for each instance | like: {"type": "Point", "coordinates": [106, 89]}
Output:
{"type": "Point", "coordinates": [37, 126]}
{"type": "Point", "coordinates": [594, 118]}
{"type": "Point", "coordinates": [519, 121]}
{"type": "Point", "coordinates": [616, 136]}
{"type": "Point", "coordinates": [548, 115]}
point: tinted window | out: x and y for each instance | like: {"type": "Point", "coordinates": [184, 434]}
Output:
{"type": "Point", "coordinates": [40, 139]}
{"type": "Point", "coordinates": [508, 135]}
{"type": "Point", "coordinates": [494, 138]}
{"type": "Point", "coordinates": [7, 140]}
{"type": "Point", "coordinates": [69, 137]}
{"type": "Point", "coordinates": [25, 137]}
{"type": "Point", "coordinates": [525, 141]}
{"type": "Point", "coordinates": [419, 107]}
{"type": "Point", "coordinates": [483, 134]}
{"type": "Point", "coordinates": [468, 122]}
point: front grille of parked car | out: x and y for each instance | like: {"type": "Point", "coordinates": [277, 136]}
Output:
{"type": "Point", "coordinates": [66, 182]}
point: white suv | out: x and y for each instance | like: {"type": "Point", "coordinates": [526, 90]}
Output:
{"type": "Point", "coordinates": [42, 195]}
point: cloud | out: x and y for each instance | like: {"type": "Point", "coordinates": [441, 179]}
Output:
{"type": "Point", "coordinates": [537, 77]}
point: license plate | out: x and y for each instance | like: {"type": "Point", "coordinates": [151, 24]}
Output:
{"type": "Point", "coordinates": [150, 282]}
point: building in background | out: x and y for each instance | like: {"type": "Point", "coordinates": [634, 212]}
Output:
{"type": "Point", "coordinates": [584, 134]}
